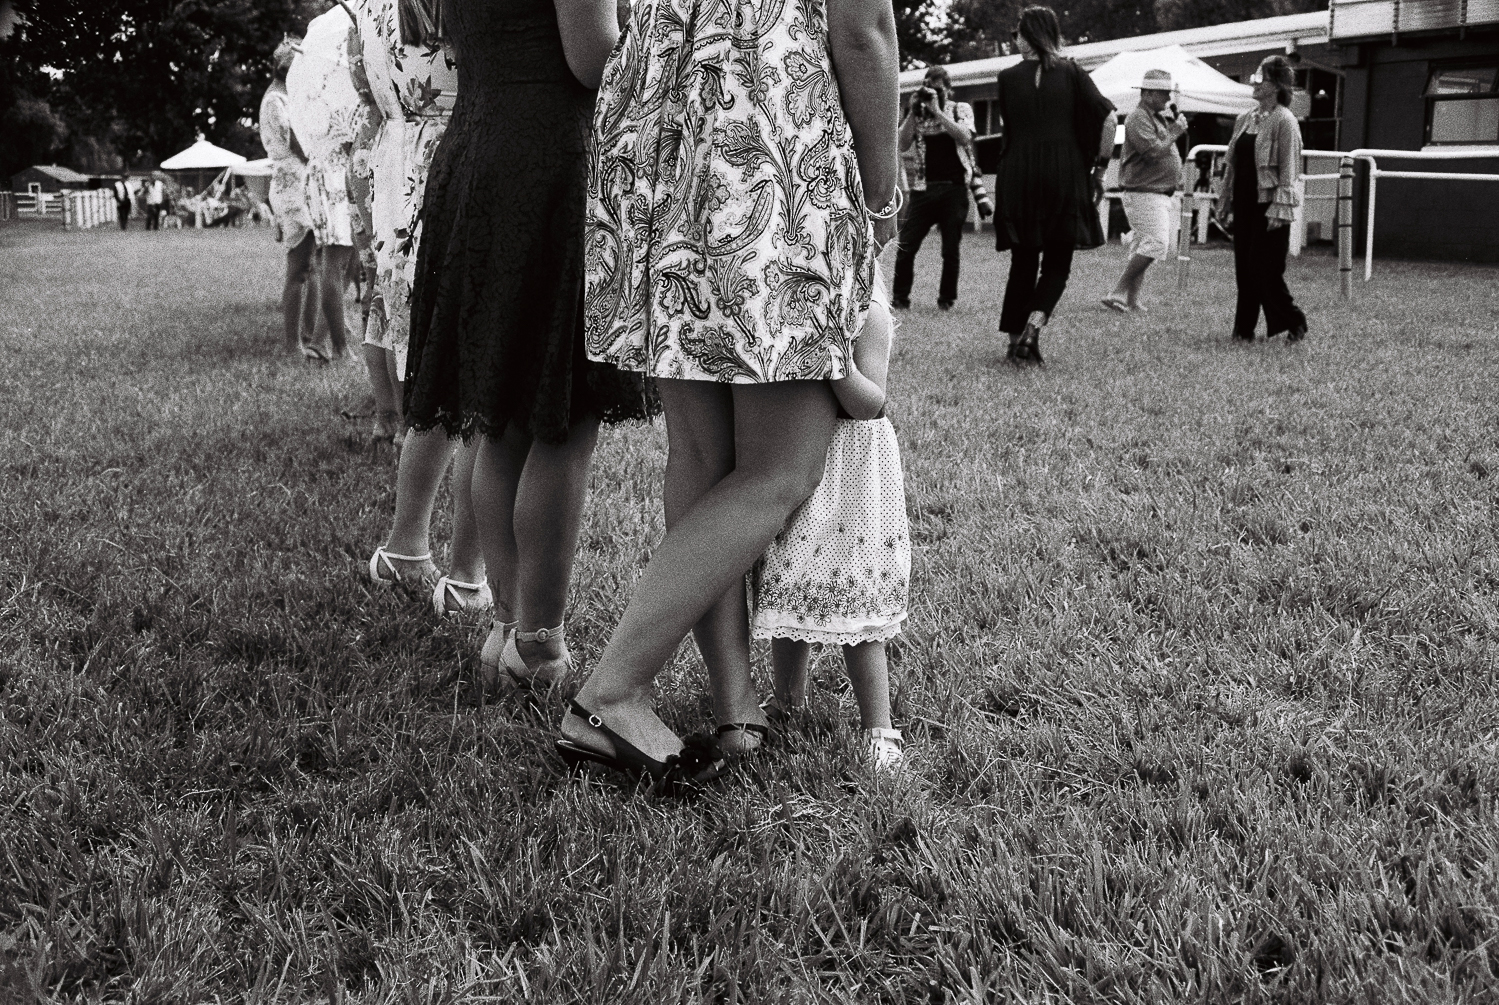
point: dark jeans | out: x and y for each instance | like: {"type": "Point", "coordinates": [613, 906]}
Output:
{"type": "Point", "coordinates": [947, 207]}
{"type": "Point", "coordinates": [1260, 270]}
{"type": "Point", "coordinates": [1026, 291]}
{"type": "Point", "coordinates": [124, 211]}
{"type": "Point", "coordinates": [153, 217]}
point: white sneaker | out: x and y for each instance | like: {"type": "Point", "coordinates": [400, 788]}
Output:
{"type": "Point", "coordinates": [885, 749]}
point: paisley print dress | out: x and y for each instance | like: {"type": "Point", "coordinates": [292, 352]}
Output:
{"type": "Point", "coordinates": [726, 238]}
{"type": "Point", "coordinates": [414, 87]}
{"type": "Point", "coordinates": [289, 179]}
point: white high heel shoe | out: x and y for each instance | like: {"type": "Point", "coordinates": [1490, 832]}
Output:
{"type": "Point", "coordinates": [447, 600]}
{"type": "Point", "coordinates": [383, 562]}
{"type": "Point", "coordinates": [543, 675]}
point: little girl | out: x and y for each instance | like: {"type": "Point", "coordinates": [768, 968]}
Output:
{"type": "Point", "coordinates": [840, 571]}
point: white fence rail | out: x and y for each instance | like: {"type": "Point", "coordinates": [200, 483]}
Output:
{"type": "Point", "coordinates": [90, 208]}
{"type": "Point", "coordinates": [1342, 195]}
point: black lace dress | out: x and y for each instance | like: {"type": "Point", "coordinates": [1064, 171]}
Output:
{"type": "Point", "coordinates": [497, 303]}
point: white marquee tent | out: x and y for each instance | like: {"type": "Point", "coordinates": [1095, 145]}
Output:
{"type": "Point", "coordinates": [1199, 87]}
{"type": "Point", "coordinates": [202, 156]}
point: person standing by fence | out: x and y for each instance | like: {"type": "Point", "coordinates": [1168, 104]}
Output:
{"type": "Point", "coordinates": [122, 202]}
{"type": "Point", "coordinates": [1259, 188]}
{"type": "Point", "coordinates": [1150, 168]}
{"type": "Point", "coordinates": [156, 197]}
{"type": "Point", "coordinates": [940, 132]}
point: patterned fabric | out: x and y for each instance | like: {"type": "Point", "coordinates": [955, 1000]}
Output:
{"type": "Point", "coordinates": [960, 112]}
{"type": "Point", "coordinates": [839, 573]}
{"type": "Point", "coordinates": [1277, 159]}
{"type": "Point", "coordinates": [727, 237]}
{"type": "Point", "coordinates": [327, 113]}
{"type": "Point", "coordinates": [414, 87]}
{"type": "Point", "coordinates": [289, 181]}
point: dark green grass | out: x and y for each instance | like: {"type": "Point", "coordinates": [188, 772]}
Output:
{"type": "Point", "coordinates": [1199, 684]}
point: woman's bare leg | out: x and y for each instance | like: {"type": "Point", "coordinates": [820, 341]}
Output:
{"type": "Point", "coordinates": [387, 406]}
{"type": "Point", "coordinates": [528, 505]}
{"type": "Point", "coordinates": [298, 271]}
{"type": "Point", "coordinates": [333, 281]}
{"type": "Point", "coordinates": [467, 564]}
{"type": "Point", "coordinates": [702, 455]}
{"type": "Point", "coordinates": [781, 436]}
{"type": "Point", "coordinates": [424, 460]}
{"type": "Point", "coordinates": [789, 660]}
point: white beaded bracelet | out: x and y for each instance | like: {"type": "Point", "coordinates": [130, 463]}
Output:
{"type": "Point", "coordinates": [890, 208]}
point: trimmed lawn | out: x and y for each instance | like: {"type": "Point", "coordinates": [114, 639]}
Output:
{"type": "Point", "coordinates": [1199, 685]}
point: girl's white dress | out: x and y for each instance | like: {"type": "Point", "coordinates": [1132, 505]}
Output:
{"type": "Point", "coordinates": [840, 571]}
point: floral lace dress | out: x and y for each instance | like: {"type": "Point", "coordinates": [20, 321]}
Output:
{"type": "Point", "coordinates": [327, 114]}
{"type": "Point", "coordinates": [288, 195]}
{"type": "Point", "coordinates": [414, 87]}
{"type": "Point", "coordinates": [839, 573]}
{"type": "Point", "coordinates": [727, 237]}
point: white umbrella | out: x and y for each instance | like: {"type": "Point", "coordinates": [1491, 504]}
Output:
{"type": "Point", "coordinates": [1199, 87]}
{"type": "Point", "coordinates": [321, 100]}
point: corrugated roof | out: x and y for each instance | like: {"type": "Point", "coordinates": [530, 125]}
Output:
{"type": "Point", "coordinates": [1214, 40]}
{"type": "Point", "coordinates": [62, 174]}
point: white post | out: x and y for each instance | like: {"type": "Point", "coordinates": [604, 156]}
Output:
{"type": "Point", "coordinates": [1369, 225]}
{"type": "Point", "coordinates": [1184, 237]}
{"type": "Point", "coordinates": [1345, 226]}
{"type": "Point", "coordinates": [1298, 219]}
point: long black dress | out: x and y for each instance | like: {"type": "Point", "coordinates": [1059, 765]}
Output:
{"type": "Point", "coordinates": [1051, 138]}
{"type": "Point", "coordinates": [497, 304]}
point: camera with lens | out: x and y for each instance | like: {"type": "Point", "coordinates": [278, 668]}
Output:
{"type": "Point", "coordinates": [922, 101]}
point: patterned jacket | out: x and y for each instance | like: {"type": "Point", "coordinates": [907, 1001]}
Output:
{"type": "Point", "coordinates": [1277, 161]}
{"type": "Point", "coordinates": [960, 112]}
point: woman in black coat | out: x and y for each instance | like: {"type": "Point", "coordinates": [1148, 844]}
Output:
{"type": "Point", "coordinates": [1057, 128]}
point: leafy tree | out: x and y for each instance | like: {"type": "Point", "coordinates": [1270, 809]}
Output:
{"type": "Point", "coordinates": [141, 78]}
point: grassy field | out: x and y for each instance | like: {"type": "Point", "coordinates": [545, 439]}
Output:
{"type": "Point", "coordinates": [1199, 687]}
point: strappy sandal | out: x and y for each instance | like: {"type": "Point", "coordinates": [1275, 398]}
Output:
{"type": "Point", "coordinates": [494, 646]}
{"type": "Point", "coordinates": [762, 734]}
{"type": "Point", "coordinates": [382, 561]}
{"type": "Point", "coordinates": [780, 712]}
{"type": "Point", "coordinates": [699, 761]}
{"type": "Point", "coordinates": [447, 601]}
{"type": "Point", "coordinates": [885, 751]}
{"type": "Point", "coordinates": [528, 678]}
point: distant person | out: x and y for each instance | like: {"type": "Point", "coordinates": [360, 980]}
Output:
{"type": "Point", "coordinates": [123, 199]}
{"type": "Point", "coordinates": [1260, 193]}
{"type": "Point", "coordinates": [289, 202]}
{"type": "Point", "coordinates": [939, 131]}
{"type": "Point", "coordinates": [156, 197]}
{"type": "Point", "coordinates": [1057, 127]}
{"type": "Point", "coordinates": [1150, 170]}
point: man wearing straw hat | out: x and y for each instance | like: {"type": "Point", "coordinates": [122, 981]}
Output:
{"type": "Point", "coordinates": [1149, 171]}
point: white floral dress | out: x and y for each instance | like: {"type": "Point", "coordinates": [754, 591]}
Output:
{"type": "Point", "coordinates": [414, 87]}
{"type": "Point", "coordinates": [288, 195]}
{"type": "Point", "coordinates": [839, 572]}
{"type": "Point", "coordinates": [326, 112]}
{"type": "Point", "coordinates": [726, 234]}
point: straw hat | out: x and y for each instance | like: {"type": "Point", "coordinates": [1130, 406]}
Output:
{"type": "Point", "coordinates": [1157, 80]}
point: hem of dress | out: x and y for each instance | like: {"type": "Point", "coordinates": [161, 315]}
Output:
{"type": "Point", "coordinates": [813, 635]}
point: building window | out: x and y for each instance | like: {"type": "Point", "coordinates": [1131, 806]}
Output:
{"type": "Point", "coordinates": [1463, 105]}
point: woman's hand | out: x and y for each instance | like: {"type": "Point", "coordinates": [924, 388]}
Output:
{"type": "Point", "coordinates": [1274, 224]}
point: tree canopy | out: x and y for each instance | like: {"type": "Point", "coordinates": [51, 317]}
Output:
{"type": "Point", "coordinates": [101, 84]}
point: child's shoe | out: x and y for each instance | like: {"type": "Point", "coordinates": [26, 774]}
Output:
{"type": "Point", "coordinates": [885, 749]}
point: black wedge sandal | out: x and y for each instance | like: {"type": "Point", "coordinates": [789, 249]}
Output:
{"type": "Point", "coordinates": [700, 760]}
{"type": "Point", "coordinates": [1029, 348]}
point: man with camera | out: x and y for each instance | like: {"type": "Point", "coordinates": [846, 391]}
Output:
{"type": "Point", "coordinates": [1149, 171]}
{"type": "Point", "coordinates": [941, 131]}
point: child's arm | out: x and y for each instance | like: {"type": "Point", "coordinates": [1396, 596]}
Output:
{"type": "Point", "coordinates": [862, 392]}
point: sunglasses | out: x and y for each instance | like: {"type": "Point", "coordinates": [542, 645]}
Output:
{"type": "Point", "coordinates": [1257, 77]}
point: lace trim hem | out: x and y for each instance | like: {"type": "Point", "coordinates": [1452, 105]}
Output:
{"type": "Point", "coordinates": [813, 635]}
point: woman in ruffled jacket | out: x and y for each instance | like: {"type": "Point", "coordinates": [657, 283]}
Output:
{"type": "Point", "coordinates": [1260, 192]}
